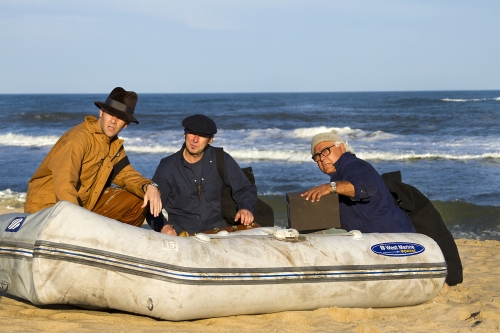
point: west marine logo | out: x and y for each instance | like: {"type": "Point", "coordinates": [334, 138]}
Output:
{"type": "Point", "coordinates": [15, 224]}
{"type": "Point", "coordinates": [398, 249]}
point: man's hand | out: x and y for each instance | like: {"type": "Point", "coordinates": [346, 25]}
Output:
{"type": "Point", "coordinates": [317, 192]}
{"type": "Point", "coordinates": [245, 217]}
{"type": "Point", "coordinates": [153, 196]}
{"type": "Point", "coordinates": [167, 229]}
{"type": "Point", "coordinates": [344, 187]}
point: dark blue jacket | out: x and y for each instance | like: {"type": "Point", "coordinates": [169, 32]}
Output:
{"type": "Point", "coordinates": [372, 209]}
{"type": "Point", "coordinates": [179, 194]}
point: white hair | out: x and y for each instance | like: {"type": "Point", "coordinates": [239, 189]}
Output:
{"type": "Point", "coordinates": [330, 137]}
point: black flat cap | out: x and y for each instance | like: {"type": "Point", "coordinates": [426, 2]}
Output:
{"type": "Point", "coordinates": [199, 124]}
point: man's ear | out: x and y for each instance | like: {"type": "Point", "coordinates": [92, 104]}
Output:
{"type": "Point", "coordinates": [211, 140]}
{"type": "Point", "coordinates": [100, 114]}
{"type": "Point", "coordinates": [342, 148]}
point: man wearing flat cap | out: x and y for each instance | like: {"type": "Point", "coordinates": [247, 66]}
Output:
{"type": "Point", "coordinates": [191, 185]}
{"type": "Point", "coordinates": [364, 200]}
{"type": "Point", "coordinates": [87, 159]}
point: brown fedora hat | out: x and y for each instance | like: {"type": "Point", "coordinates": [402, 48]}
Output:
{"type": "Point", "coordinates": [120, 103]}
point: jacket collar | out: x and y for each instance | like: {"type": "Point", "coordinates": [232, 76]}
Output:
{"type": "Point", "coordinates": [114, 144]}
{"type": "Point", "coordinates": [340, 162]}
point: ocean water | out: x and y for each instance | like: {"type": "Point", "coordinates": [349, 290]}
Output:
{"type": "Point", "coordinates": [445, 143]}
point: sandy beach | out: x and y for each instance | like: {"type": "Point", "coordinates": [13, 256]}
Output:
{"type": "Point", "coordinates": [473, 306]}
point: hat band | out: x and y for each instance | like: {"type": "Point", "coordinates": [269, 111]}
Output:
{"type": "Point", "coordinates": [119, 106]}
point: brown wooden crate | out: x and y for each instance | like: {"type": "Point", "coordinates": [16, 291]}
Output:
{"type": "Point", "coordinates": [305, 215]}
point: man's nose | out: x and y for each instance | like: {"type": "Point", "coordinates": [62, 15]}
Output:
{"type": "Point", "coordinates": [196, 138]}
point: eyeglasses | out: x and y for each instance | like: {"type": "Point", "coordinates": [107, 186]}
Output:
{"type": "Point", "coordinates": [325, 152]}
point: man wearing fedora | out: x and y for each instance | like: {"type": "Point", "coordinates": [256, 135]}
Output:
{"type": "Point", "coordinates": [87, 159]}
{"type": "Point", "coordinates": [191, 185]}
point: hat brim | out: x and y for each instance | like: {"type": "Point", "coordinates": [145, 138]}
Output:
{"type": "Point", "coordinates": [188, 131]}
{"type": "Point", "coordinates": [117, 113]}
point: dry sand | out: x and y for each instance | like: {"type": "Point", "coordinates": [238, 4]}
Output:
{"type": "Point", "coordinates": [473, 306]}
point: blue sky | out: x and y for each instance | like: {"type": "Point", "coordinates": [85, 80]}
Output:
{"type": "Point", "coordinates": [195, 46]}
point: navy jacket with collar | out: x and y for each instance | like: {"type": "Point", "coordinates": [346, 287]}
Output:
{"type": "Point", "coordinates": [372, 209]}
{"type": "Point", "coordinates": [179, 192]}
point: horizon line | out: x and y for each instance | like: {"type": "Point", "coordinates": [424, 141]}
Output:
{"type": "Point", "coordinates": [279, 92]}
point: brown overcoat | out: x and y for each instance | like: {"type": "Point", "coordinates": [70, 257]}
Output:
{"type": "Point", "coordinates": [78, 167]}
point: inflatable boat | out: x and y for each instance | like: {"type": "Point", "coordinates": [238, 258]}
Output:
{"type": "Point", "coordinates": [69, 255]}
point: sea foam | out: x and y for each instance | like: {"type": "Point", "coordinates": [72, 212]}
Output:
{"type": "Point", "coordinates": [294, 144]}
{"type": "Point", "coordinates": [11, 199]}
{"type": "Point", "coordinates": [21, 140]}
{"type": "Point", "coordinates": [461, 100]}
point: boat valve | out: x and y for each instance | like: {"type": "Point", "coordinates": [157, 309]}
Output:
{"type": "Point", "coordinates": [286, 234]}
{"type": "Point", "coordinates": [356, 234]}
{"type": "Point", "coordinates": [150, 304]}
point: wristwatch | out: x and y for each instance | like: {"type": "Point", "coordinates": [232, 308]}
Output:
{"type": "Point", "coordinates": [145, 186]}
{"type": "Point", "coordinates": [334, 187]}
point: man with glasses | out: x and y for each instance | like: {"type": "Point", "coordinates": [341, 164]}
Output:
{"type": "Point", "coordinates": [365, 201]}
{"type": "Point", "coordinates": [190, 184]}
